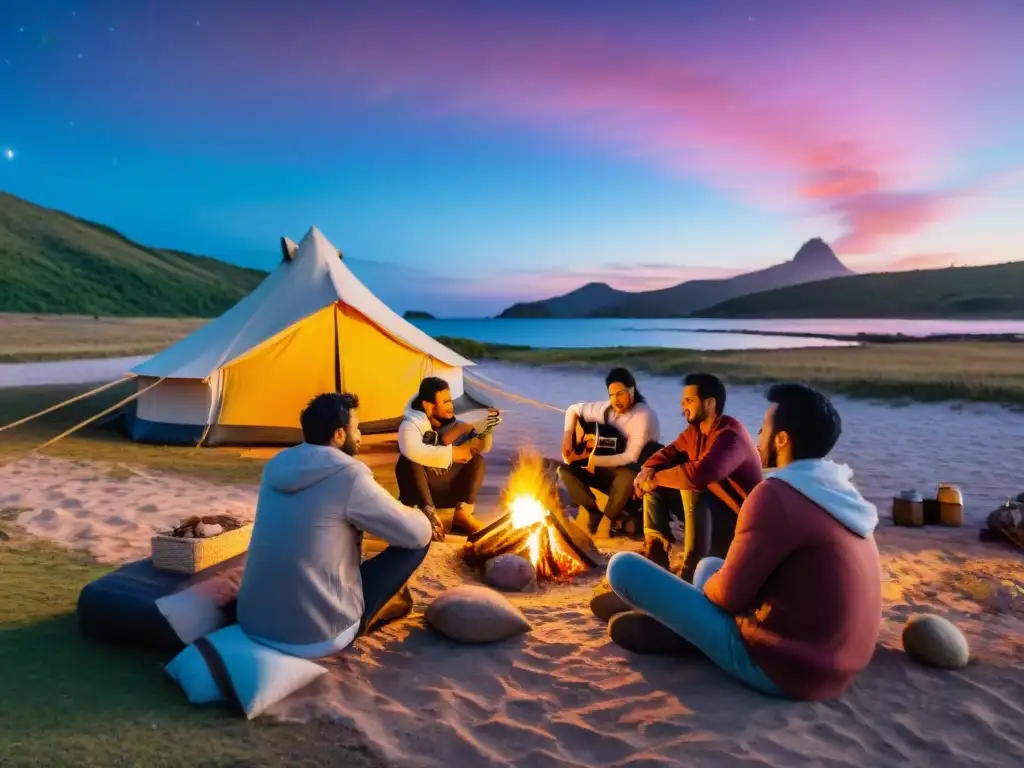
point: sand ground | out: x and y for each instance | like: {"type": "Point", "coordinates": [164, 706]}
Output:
{"type": "Point", "coordinates": [563, 695]}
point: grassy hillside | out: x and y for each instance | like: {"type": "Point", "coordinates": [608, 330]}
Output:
{"type": "Point", "coordinates": [993, 292]}
{"type": "Point", "coordinates": [51, 262]}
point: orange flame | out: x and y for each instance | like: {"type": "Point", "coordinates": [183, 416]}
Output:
{"type": "Point", "coordinates": [529, 498]}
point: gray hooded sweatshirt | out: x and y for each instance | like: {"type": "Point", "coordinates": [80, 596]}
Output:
{"type": "Point", "coordinates": [302, 585]}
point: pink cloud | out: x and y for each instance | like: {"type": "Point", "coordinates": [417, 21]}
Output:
{"type": "Point", "coordinates": [860, 111]}
{"type": "Point", "coordinates": [853, 151]}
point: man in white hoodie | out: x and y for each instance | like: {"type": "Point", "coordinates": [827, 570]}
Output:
{"type": "Point", "coordinates": [440, 463]}
{"type": "Point", "coordinates": [304, 591]}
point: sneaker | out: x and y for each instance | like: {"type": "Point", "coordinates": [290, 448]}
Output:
{"type": "Point", "coordinates": [637, 632]}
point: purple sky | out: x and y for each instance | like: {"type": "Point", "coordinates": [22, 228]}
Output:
{"type": "Point", "coordinates": [466, 155]}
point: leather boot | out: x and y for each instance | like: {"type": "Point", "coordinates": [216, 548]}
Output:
{"type": "Point", "coordinates": [464, 520]}
{"type": "Point", "coordinates": [637, 632]}
{"type": "Point", "coordinates": [656, 549]}
{"type": "Point", "coordinates": [396, 608]}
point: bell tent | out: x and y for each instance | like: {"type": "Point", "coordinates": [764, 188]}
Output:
{"type": "Point", "coordinates": [311, 326]}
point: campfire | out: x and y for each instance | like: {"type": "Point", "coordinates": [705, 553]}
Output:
{"type": "Point", "coordinates": [534, 527]}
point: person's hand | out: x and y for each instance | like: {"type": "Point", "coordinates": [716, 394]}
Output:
{"type": "Point", "coordinates": [568, 454]}
{"type": "Point", "coordinates": [436, 526]}
{"type": "Point", "coordinates": [493, 419]}
{"type": "Point", "coordinates": [462, 453]}
{"type": "Point", "coordinates": [590, 466]}
{"type": "Point", "coordinates": [644, 481]}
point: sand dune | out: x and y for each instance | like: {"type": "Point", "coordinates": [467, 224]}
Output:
{"type": "Point", "coordinates": [564, 696]}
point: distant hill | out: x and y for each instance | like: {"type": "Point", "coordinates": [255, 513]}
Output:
{"type": "Point", "coordinates": [813, 262]}
{"type": "Point", "coordinates": [991, 291]}
{"type": "Point", "coordinates": [417, 314]}
{"type": "Point", "coordinates": [54, 263]}
{"type": "Point", "coordinates": [578, 303]}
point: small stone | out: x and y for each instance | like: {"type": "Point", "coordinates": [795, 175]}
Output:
{"type": "Point", "coordinates": [935, 642]}
{"type": "Point", "coordinates": [4, 536]}
{"type": "Point", "coordinates": [509, 572]}
{"type": "Point", "coordinates": [203, 530]}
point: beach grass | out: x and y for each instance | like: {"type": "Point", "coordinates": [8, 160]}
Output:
{"type": "Point", "coordinates": [922, 371]}
{"type": "Point", "coordinates": [66, 701]}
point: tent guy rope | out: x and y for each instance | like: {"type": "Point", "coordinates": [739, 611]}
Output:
{"type": "Point", "coordinates": [483, 384]}
{"type": "Point", "coordinates": [101, 414]}
{"type": "Point", "coordinates": [69, 401]}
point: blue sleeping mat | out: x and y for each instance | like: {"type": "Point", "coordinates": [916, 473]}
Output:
{"type": "Point", "coordinates": [121, 607]}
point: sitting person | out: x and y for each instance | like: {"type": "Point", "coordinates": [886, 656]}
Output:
{"type": "Point", "coordinates": [796, 606]}
{"type": "Point", "coordinates": [705, 474]}
{"type": "Point", "coordinates": [626, 432]}
{"type": "Point", "coordinates": [440, 463]}
{"type": "Point", "coordinates": [303, 590]}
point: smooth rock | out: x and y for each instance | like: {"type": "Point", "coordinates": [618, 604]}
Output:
{"type": "Point", "coordinates": [509, 572]}
{"type": "Point", "coordinates": [472, 614]}
{"type": "Point", "coordinates": [935, 642]}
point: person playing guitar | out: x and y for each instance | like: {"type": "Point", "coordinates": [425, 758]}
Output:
{"type": "Point", "coordinates": [603, 447]}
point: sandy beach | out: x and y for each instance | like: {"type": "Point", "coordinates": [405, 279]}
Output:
{"type": "Point", "coordinates": [564, 695]}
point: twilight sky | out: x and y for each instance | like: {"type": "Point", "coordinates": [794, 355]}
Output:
{"type": "Point", "coordinates": [467, 155]}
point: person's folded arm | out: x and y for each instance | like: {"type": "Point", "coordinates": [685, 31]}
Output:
{"type": "Point", "coordinates": [764, 538]}
{"type": "Point", "coordinates": [372, 509]}
{"type": "Point", "coordinates": [668, 456]}
{"type": "Point", "coordinates": [723, 457]}
{"type": "Point", "coordinates": [411, 445]}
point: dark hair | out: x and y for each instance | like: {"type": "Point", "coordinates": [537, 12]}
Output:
{"type": "Point", "coordinates": [625, 378]}
{"type": "Point", "coordinates": [429, 389]}
{"type": "Point", "coordinates": [807, 416]}
{"type": "Point", "coordinates": [708, 385]}
{"type": "Point", "coordinates": [325, 415]}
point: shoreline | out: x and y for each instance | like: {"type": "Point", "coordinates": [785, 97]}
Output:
{"type": "Point", "coordinates": [911, 371]}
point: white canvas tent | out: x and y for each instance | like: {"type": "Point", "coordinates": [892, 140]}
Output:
{"type": "Point", "coordinates": [309, 327]}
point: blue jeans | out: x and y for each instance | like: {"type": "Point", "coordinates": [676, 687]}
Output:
{"type": "Point", "coordinates": [684, 609]}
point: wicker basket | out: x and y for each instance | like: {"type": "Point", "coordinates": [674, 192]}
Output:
{"type": "Point", "coordinates": [178, 555]}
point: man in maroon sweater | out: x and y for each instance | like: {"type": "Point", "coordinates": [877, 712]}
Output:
{"type": "Point", "coordinates": [705, 473]}
{"type": "Point", "coordinates": [796, 606]}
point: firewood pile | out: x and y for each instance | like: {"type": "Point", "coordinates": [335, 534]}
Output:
{"type": "Point", "coordinates": [202, 527]}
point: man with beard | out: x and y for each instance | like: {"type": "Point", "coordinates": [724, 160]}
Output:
{"type": "Point", "coordinates": [626, 431]}
{"type": "Point", "coordinates": [304, 591]}
{"type": "Point", "coordinates": [705, 473]}
{"type": "Point", "coordinates": [440, 462]}
{"type": "Point", "coordinates": [795, 608]}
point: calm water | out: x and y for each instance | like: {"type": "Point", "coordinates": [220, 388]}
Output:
{"type": "Point", "coordinates": [687, 333]}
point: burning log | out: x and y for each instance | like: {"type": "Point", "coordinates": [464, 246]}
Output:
{"type": "Point", "coordinates": [534, 528]}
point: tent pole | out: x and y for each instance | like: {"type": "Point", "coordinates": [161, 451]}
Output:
{"type": "Point", "coordinates": [69, 401]}
{"type": "Point", "coordinates": [337, 355]}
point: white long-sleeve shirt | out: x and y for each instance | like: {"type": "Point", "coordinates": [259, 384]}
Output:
{"type": "Point", "coordinates": [639, 425]}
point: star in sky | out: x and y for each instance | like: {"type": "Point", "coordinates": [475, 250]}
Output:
{"type": "Point", "coordinates": [8, 154]}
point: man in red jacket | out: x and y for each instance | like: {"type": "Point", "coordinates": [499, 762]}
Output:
{"type": "Point", "coordinates": [796, 606]}
{"type": "Point", "coordinates": [705, 473]}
